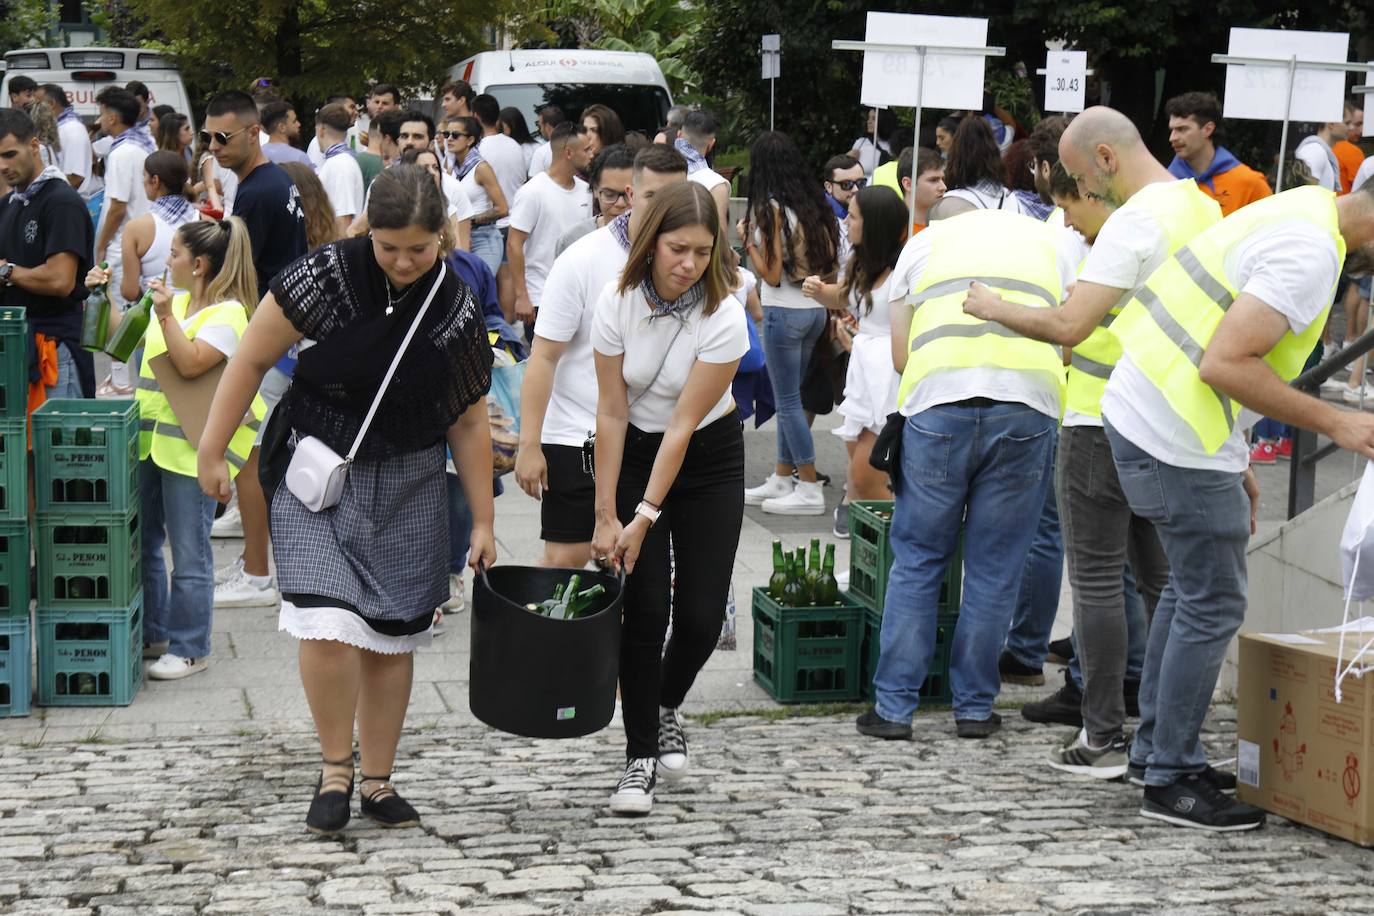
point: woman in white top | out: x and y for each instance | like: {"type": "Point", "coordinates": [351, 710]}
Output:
{"type": "Point", "coordinates": [877, 228]}
{"type": "Point", "coordinates": [478, 179]}
{"type": "Point", "coordinates": [147, 239]}
{"type": "Point", "coordinates": [512, 124]}
{"type": "Point", "coordinates": [974, 171]}
{"type": "Point", "coordinates": [870, 154]}
{"type": "Point", "coordinates": [669, 455]}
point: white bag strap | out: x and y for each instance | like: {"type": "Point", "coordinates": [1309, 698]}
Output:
{"type": "Point", "coordinates": [396, 361]}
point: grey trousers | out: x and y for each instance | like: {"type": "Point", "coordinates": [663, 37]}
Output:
{"type": "Point", "coordinates": [1100, 534]}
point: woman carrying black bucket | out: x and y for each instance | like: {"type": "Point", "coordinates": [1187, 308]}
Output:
{"type": "Point", "coordinates": [669, 463]}
{"type": "Point", "coordinates": [399, 342]}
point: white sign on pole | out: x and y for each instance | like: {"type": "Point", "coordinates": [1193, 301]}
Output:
{"type": "Point", "coordinates": [1066, 78]}
{"type": "Point", "coordinates": [1368, 102]}
{"type": "Point", "coordinates": [771, 51]}
{"type": "Point", "coordinates": [950, 80]}
{"type": "Point", "coordinates": [1260, 91]}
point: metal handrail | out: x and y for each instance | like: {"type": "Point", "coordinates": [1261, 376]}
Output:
{"type": "Point", "coordinates": [1302, 471]}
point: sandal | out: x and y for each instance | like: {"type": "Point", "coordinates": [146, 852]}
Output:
{"type": "Point", "coordinates": [385, 807]}
{"type": "Point", "coordinates": [329, 809]}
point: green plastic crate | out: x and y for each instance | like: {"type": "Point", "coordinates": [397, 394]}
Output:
{"type": "Point", "coordinates": [89, 560]}
{"type": "Point", "coordinates": [870, 557]}
{"type": "Point", "coordinates": [14, 362]}
{"type": "Point", "coordinates": [936, 690]}
{"type": "Point", "coordinates": [15, 666]}
{"type": "Point", "coordinates": [807, 654]}
{"type": "Point", "coordinates": [86, 455]}
{"type": "Point", "coordinates": [89, 657]}
{"type": "Point", "coordinates": [14, 468]}
{"type": "Point", "coordinates": [14, 569]}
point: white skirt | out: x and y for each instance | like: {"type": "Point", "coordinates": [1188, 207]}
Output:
{"type": "Point", "coordinates": [342, 625]}
{"type": "Point", "coordinates": [870, 387]}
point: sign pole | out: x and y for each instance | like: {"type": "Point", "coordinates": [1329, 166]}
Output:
{"type": "Point", "coordinates": [772, 100]}
{"type": "Point", "coordinates": [915, 143]}
{"type": "Point", "coordinates": [1287, 115]}
{"type": "Point", "coordinates": [770, 50]}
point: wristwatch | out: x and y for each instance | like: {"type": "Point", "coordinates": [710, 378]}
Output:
{"type": "Point", "coordinates": [5, 270]}
{"type": "Point", "coordinates": [649, 511]}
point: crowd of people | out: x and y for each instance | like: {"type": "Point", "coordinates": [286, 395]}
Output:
{"type": "Point", "coordinates": [1044, 342]}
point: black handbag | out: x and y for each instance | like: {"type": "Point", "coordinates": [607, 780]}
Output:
{"type": "Point", "coordinates": [887, 450]}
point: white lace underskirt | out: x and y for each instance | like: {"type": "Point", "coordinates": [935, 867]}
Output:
{"type": "Point", "coordinates": [342, 625]}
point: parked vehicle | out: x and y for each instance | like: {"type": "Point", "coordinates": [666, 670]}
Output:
{"type": "Point", "coordinates": [83, 72]}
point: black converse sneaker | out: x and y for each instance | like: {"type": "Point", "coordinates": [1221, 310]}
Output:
{"type": "Point", "coordinates": [672, 744]}
{"type": "Point", "coordinates": [1195, 802]}
{"type": "Point", "coordinates": [634, 794]}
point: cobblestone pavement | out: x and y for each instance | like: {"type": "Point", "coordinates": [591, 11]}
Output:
{"type": "Point", "coordinates": [797, 816]}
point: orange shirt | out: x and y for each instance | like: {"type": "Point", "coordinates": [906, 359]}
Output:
{"type": "Point", "coordinates": [1235, 188]}
{"type": "Point", "coordinates": [1349, 156]}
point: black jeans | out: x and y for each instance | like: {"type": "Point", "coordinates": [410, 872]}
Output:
{"type": "Point", "coordinates": [702, 514]}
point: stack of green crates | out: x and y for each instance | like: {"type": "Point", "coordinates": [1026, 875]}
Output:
{"type": "Point", "coordinates": [15, 632]}
{"type": "Point", "coordinates": [870, 563]}
{"type": "Point", "coordinates": [89, 618]}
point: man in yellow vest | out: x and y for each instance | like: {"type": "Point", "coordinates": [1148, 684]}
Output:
{"type": "Point", "coordinates": [1227, 321]}
{"type": "Point", "coordinates": [1152, 215]}
{"type": "Point", "coordinates": [981, 406]}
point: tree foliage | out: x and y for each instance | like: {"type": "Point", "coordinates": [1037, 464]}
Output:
{"type": "Point", "coordinates": [25, 22]}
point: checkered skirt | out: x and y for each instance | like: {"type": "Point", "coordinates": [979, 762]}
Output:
{"type": "Point", "coordinates": [383, 549]}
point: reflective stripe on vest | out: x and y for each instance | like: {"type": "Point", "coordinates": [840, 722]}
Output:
{"type": "Point", "coordinates": [1167, 326]}
{"type": "Point", "coordinates": [1013, 254]}
{"type": "Point", "coordinates": [1182, 210]}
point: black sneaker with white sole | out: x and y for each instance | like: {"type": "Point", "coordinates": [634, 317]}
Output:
{"type": "Point", "coordinates": [1194, 802]}
{"type": "Point", "coordinates": [1221, 780]}
{"type": "Point", "coordinates": [672, 744]}
{"type": "Point", "coordinates": [634, 794]}
{"type": "Point", "coordinates": [1063, 707]}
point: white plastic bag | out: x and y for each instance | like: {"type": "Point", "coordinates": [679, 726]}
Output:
{"type": "Point", "coordinates": [1357, 572]}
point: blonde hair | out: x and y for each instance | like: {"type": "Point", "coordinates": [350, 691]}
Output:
{"type": "Point", "coordinates": [679, 205]}
{"type": "Point", "coordinates": [225, 244]}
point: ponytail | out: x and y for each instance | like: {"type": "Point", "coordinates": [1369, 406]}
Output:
{"type": "Point", "coordinates": [225, 244]}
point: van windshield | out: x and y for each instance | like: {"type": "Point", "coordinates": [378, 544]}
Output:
{"type": "Point", "coordinates": [643, 108]}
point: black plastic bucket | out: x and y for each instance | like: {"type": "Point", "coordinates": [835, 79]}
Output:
{"type": "Point", "coordinates": [535, 676]}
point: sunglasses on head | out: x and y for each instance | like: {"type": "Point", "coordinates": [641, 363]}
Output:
{"type": "Point", "coordinates": [220, 136]}
{"type": "Point", "coordinates": [850, 184]}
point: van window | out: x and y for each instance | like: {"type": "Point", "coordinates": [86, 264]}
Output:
{"type": "Point", "coordinates": [642, 108]}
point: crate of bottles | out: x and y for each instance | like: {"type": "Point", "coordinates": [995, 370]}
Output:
{"type": "Point", "coordinates": [807, 654]}
{"type": "Point", "coordinates": [15, 666]}
{"type": "Point", "coordinates": [14, 363]}
{"type": "Point", "coordinates": [89, 559]}
{"type": "Point", "coordinates": [86, 455]}
{"type": "Point", "coordinates": [14, 569]}
{"type": "Point", "coordinates": [89, 657]}
{"type": "Point", "coordinates": [870, 557]}
{"type": "Point", "coordinates": [14, 468]}
{"type": "Point", "coordinates": [936, 689]}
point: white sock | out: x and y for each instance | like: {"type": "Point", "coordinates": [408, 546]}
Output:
{"type": "Point", "coordinates": [259, 581]}
{"type": "Point", "coordinates": [1083, 740]}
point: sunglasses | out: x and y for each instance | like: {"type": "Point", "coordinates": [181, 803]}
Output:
{"type": "Point", "coordinates": [850, 184]}
{"type": "Point", "coordinates": [452, 134]}
{"type": "Point", "coordinates": [220, 136]}
{"type": "Point", "coordinates": [609, 196]}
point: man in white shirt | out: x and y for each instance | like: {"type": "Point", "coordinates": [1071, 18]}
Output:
{"type": "Point", "coordinates": [550, 116]}
{"type": "Point", "coordinates": [544, 210]}
{"type": "Point", "coordinates": [314, 152]}
{"type": "Point", "coordinates": [125, 198]}
{"type": "Point", "coordinates": [339, 172]}
{"type": "Point", "coordinates": [695, 141]}
{"type": "Point", "coordinates": [558, 399]}
{"type": "Point", "coordinates": [502, 153]}
{"type": "Point", "coordinates": [1315, 151]}
{"type": "Point", "coordinates": [416, 131]}
{"type": "Point", "coordinates": [75, 157]}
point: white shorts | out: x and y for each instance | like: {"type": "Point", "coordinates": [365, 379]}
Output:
{"type": "Point", "coordinates": [870, 387]}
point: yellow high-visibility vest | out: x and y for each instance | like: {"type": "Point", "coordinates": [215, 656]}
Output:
{"type": "Point", "coordinates": [1167, 325]}
{"type": "Point", "coordinates": [1016, 256]}
{"type": "Point", "coordinates": [1183, 211]}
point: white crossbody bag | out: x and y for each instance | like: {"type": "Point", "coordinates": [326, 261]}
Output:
{"type": "Point", "coordinates": [316, 474]}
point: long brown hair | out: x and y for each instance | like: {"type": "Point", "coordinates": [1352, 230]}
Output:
{"type": "Point", "coordinates": [321, 224]}
{"type": "Point", "coordinates": [681, 204]}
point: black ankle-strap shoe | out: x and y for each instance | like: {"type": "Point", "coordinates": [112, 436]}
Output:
{"type": "Point", "coordinates": [329, 810]}
{"type": "Point", "coordinates": [385, 807]}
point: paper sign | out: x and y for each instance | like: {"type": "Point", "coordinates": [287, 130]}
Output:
{"type": "Point", "coordinates": [1367, 100]}
{"type": "Point", "coordinates": [1066, 77]}
{"type": "Point", "coordinates": [951, 81]}
{"type": "Point", "coordinates": [771, 51]}
{"type": "Point", "coordinates": [1260, 91]}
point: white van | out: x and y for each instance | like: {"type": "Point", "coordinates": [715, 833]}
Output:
{"type": "Point", "coordinates": [83, 72]}
{"type": "Point", "coordinates": [630, 83]}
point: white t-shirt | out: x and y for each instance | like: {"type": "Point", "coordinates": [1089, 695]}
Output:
{"type": "Point", "coordinates": [660, 353]}
{"type": "Point", "coordinates": [314, 153]}
{"type": "Point", "coordinates": [459, 206]}
{"type": "Point", "coordinates": [868, 154]}
{"type": "Point", "coordinates": [343, 183]}
{"type": "Point", "coordinates": [540, 160]}
{"type": "Point", "coordinates": [75, 157]}
{"type": "Point", "coordinates": [708, 179]}
{"type": "Point", "coordinates": [123, 182]}
{"type": "Point", "coordinates": [575, 283]}
{"type": "Point", "coordinates": [1321, 161]}
{"type": "Point", "coordinates": [1366, 172]}
{"type": "Point", "coordinates": [229, 186]}
{"type": "Point", "coordinates": [1040, 391]}
{"type": "Point", "coordinates": [1292, 268]}
{"type": "Point", "coordinates": [877, 322]}
{"type": "Point", "coordinates": [508, 161]}
{"type": "Point", "coordinates": [218, 334]}
{"type": "Point", "coordinates": [545, 211]}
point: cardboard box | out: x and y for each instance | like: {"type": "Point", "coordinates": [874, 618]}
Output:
{"type": "Point", "coordinates": [1301, 754]}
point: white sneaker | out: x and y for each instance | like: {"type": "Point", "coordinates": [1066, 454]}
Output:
{"type": "Point", "coordinates": [228, 525]}
{"type": "Point", "coordinates": [1331, 349]}
{"type": "Point", "coordinates": [1333, 385]}
{"type": "Point", "coordinates": [240, 591]}
{"type": "Point", "coordinates": [1364, 394]}
{"type": "Point", "coordinates": [771, 488]}
{"type": "Point", "coordinates": [173, 667]}
{"type": "Point", "coordinates": [634, 794]}
{"type": "Point", "coordinates": [225, 573]}
{"type": "Point", "coordinates": [457, 595]}
{"type": "Point", "coordinates": [806, 499]}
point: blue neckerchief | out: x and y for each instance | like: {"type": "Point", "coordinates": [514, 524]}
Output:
{"type": "Point", "coordinates": [24, 197]}
{"type": "Point", "coordinates": [695, 160]}
{"type": "Point", "coordinates": [174, 209]}
{"type": "Point", "coordinates": [338, 149]}
{"type": "Point", "coordinates": [1032, 205]}
{"type": "Point", "coordinates": [679, 306]}
{"type": "Point", "coordinates": [1223, 161]}
{"type": "Point", "coordinates": [620, 229]}
{"type": "Point", "coordinates": [69, 114]}
{"type": "Point", "coordinates": [470, 162]}
{"type": "Point", "coordinates": [839, 209]}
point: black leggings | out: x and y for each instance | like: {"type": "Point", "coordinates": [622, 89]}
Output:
{"type": "Point", "coordinates": [702, 513]}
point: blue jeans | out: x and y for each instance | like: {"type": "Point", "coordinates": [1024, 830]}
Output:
{"type": "Point", "coordinates": [175, 510]}
{"type": "Point", "coordinates": [1041, 577]}
{"type": "Point", "coordinates": [984, 467]}
{"type": "Point", "coordinates": [488, 245]}
{"type": "Point", "coordinates": [789, 339]}
{"type": "Point", "coordinates": [1203, 522]}
{"type": "Point", "coordinates": [1137, 630]}
{"type": "Point", "coordinates": [68, 382]}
